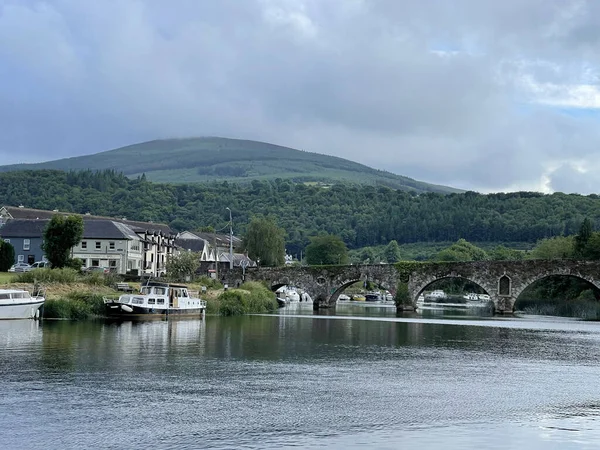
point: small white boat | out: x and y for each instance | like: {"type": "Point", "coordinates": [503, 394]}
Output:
{"type": "Point", "coordinates": [471, 296]}
{"type": "Point", "coordinates": [484, 297]}
{"type": "Point", "coordinates": [156, 299]}
{"type": "Point", "coordinates": [436, 295]}
{"type": "Point", "coordinates": [19, 304]}
{"type": "Point", "coordinates": [287, 294]}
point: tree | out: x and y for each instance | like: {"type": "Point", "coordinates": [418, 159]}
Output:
{"type": "Point", "coordinates": [462, 251]}
{"type": "Point", "coordinates": [502, 253]}
{"type": "Point", "coordinates": [367, 256]}
{"type": "Point", "coordinates": [61, 234]}
{"type": "Point", "coordinates": [326, 249]}
{"type": "Point", "coordinates": [559, 247]}
{"type": "Point", "coordinates": [183, 265]}
{"type": "Point", "coordinates": [265, 240]}
{"type": "Point", "coordinates": [592, 247]}
{"type": "Point", "coordinates": [392, 252]}
{"type": "Point", "coordinates": [7, 255]}
{"type": "Point", "coordinates": [584, 235]}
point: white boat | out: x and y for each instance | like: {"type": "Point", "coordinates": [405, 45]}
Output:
{"type": "Point", "coordinates": [435, 296]}
{"type": "Point", "coordinates": [287, 294]}
{"type": "Point", "coordinates": [343, 298]}
{"type": "Point", "coordinates": [484, 297]}
{"type": "Point", "coordinates": [471, 296]}
{"type": "Point", "coordinates": [156, 299]}
{"type": "Point", "coordinates": [19, 304]}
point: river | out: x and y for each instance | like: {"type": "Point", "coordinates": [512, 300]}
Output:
{"type": "Point", "coordinates": [362, 378]}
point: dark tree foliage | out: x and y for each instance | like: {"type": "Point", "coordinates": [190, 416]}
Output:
{"type": "Point", "coordinates": [7, 255]}
{"type": "Point", "coordinates": [583, 236]}
{"type": "Point", "coordinates": [60, 235]}
{"type": "Point", "coordinates": [265, 240]}
{"type": "Point", "coordinates": [326, 250]}
{"type": "Point", "coordinates": [392, 252]}
{"type": "Point", "coordinates": [362, 215]}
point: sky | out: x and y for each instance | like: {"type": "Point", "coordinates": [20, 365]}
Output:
{"type": "Point", "coordinates": [482, 95]}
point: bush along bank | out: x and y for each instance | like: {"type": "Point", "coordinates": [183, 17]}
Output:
{"type": "Point", "coordinates": [249, 298]}
{"type": "Point", "coordinates": [74, 306]}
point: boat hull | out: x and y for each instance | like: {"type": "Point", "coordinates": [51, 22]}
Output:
{"type": "Point", "coordinates": [116, 309]}
{"type": "Point", "coordinates": [25, 310]}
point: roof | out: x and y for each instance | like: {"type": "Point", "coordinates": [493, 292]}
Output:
{"type": "Point", "coordinates": [92, 229]}
{"type": "Point", "coordinates": [222, 240]}
{"type": "Point", "coordinates": [237, 259]}
{"type": "Point", "coordinates": [105, 229]}
{"type": "Point", "coordinates": [194, 245]}
{"type": "Point", "coordinates": [16, 228]}
{"type": "Point", "coordinates": [17, 212]}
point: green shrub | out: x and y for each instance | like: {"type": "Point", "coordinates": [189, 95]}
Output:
{"type": "Point", "coordinates": [75, 306]}
{"type": "Point", "coordinates": [402, 297]}
{"type": "Point", "coordinates": [210, 283]}
{"type": "Point", "coordinates": [232, 303]}
{"type": "Point", "coordinates": [250, 298]}
{"type": "Point", "coordinates": [47, 276]}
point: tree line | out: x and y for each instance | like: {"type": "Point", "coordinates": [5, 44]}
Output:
{"type": "Point", "coordinates": [360, 215]}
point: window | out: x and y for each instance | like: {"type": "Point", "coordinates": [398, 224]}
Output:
{"type": "Point", "coordinates": [98, 245]}
{"type": "Point", "coordinates": [26, 244]}
{"type": "Point", "coordinates": [95, 263]}
{"type": "Point", "coordinates": [21, 258]}
{"type": "Point", "coordinates": [160, 301]}
{"type": "Point", "coordinates": [151, 301]}
{"type": "Point", "coordinates": [84, 245]}
{"type": "Point", "coordinates": [111, 245]}
{"type": "Point", "coordinates": [112, 263]}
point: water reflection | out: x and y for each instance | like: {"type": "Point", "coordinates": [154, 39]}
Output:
{"type": "Point", "coordinates": [303, 380]}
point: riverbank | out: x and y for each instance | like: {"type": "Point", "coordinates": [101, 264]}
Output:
{"type": "Point", "coordinates": [73, 296]}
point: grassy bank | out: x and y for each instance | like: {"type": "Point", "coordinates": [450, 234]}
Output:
{"type": "Point", "coordinates": [73, 296]}
{"type": "Point", "coordinates": [75, 306]}
{"type": "Point", "coordinates": [249, 298]}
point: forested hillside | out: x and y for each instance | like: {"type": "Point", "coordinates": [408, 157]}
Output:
{"type": "Point", "coordinates": [361, 215]}
{"type": "Point", "coordinates": [208, 159]}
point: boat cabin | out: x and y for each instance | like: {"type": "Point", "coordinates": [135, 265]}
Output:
{"type": "Point", "coordinates": [14, 295]}
{"type": "Point", "coordinates": [163, 296]}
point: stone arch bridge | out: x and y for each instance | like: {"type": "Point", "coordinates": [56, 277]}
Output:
{"type": "Point", "coordinates": [503, 281]}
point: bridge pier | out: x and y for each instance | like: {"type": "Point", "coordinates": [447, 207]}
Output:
{"type": "Point", "coordinates": [504, 305]}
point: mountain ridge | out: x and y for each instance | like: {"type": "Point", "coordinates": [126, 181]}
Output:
{"type": "Point", "coordinates": [204, 159]}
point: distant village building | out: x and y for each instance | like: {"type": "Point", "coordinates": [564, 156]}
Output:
{"type": "Point", "coordinates": [213, 249]}
{"type": "Point", "coordinates": [124, 246]}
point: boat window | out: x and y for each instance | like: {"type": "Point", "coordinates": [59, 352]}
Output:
{"type": "Point", "coordinates": [159, 291]}
{"type": "Point", "coordinates": [4, 296]}
{"type": "Point", "coordinates": [138, 300]}
{"type": "Point", "coordinates": [145, 290]}
{"type": "Point", "coordinates": [18, 295]}
{"type": "Point", "coordinates": [160, 301]}
{"type": "Point", "coordinates": [184, 293]}
{"type": "Point", "coordinates": [151, 301]}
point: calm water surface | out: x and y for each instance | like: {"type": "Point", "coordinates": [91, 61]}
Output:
{"type": "Point", "coordinates": [362, 378]}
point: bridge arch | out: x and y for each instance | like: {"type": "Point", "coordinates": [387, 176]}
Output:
{"type": "Point", "coordinates": [539, 277]}
{"type": "Point", "coordinates": [424, 286]}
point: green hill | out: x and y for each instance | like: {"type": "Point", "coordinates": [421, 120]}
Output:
{"type": "Point", "coordinates": [213, 158]}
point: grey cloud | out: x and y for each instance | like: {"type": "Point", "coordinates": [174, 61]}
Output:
{"type": "Point", "coordinates": [352, 78]}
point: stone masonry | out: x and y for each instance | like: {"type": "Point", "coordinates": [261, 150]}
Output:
{"type": "Point", "coordinates": [503, 281]}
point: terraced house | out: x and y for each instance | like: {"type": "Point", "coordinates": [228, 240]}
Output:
{"type": "Point", "coordinates": [116, 243]}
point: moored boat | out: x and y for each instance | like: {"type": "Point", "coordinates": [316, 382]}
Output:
{"type": "Point", "coordinates": [19, 304]}
{"type": "Point", "coordinates": [156, 299]}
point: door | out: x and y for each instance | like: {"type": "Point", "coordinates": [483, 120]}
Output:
{"type": "Point", "coordinates": [30, 259]}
